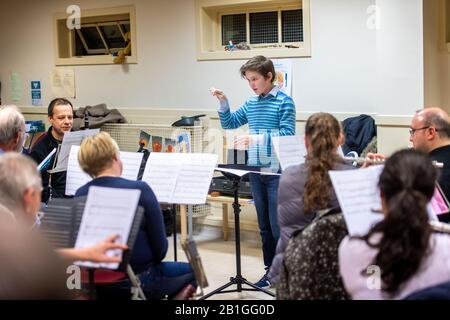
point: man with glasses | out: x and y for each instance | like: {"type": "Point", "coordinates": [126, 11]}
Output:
{"type": "Point", "coordinates": [430, 133]}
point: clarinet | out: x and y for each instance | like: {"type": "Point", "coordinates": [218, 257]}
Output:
{"type": "Point", "coordinates": [86, 120]}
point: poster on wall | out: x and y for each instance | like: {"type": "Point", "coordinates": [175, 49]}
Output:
{"type": "Point", "coordinates": [36, 93]}
{"type": "Point", "coordinates": [16, 87]}
{"type": "Point", "coordinates": [283, 75]}
{"type": "Point", "coordinates": [62, 82]}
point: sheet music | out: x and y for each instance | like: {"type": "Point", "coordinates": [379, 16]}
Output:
{"type": "Point", "coordinates": [71, 139]}
{"type": "Point", "coordinates": [241, 173]}
{"type": "Point", "coordinates": [131, 164]}
{"type": "Point", "coordinates": [161, 172]}
{"type": "Point", "coordinates": [108, 211]}
{"type": "Point", "coordinates": [340, 151]}
{"type": "Point", "coordinates": [77, 178]}
{"type": "Point", "coordinates": [438, 204]}
{"type": "Point", "coordinates": [358, 194]}
{"type": "Point", "coordinates": [290, 150]}
{"type": "Point", "coordinates": [194, 179]}
{"type": "Point", "coordinates": [180, 178]}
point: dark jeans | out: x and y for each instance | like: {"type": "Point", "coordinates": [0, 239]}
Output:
{"type": "Point", "coordinates": [161, 280]}
{"type": "Point", "coordinates": [265, 195]}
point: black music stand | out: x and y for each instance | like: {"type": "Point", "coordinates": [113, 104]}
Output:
{"type": "Point", "coordinates": [238, 279]}
{"type": "Point", "coordinates": [61, 224]}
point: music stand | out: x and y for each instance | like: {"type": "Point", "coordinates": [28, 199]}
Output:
{"type": "Point", "coordinates": [238, 279]}
{"type": "Point", "coordinates": [61, 224]}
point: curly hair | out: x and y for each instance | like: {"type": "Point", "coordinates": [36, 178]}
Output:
{"type": "Point", "coordinates": [407, 184]}
{"type": "Point", "coordinates": [323, 132]}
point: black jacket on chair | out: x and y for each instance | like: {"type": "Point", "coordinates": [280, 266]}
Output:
{"type": "Point", "coordinates": [359, 131]}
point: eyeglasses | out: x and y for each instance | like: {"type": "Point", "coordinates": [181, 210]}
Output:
{"type": "Point", "coordinates": [412, 130]}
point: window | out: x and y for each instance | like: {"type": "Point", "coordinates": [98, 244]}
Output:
{"type": "Point", "coordinates": [102, 35]}
{"type": "Point", "coordinates": [292, 24]}
{"type": "Point", "coordinates": [263, 27]}
{"type": "Point", "coordinates": [101, 38]}
{"type": "Point", "coordinates": [234, 28]}
{"type": "Point", "coordinates": [272, 28]}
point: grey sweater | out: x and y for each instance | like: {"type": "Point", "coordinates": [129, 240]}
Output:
{"type": "Point", "coordinates": [291, 216]}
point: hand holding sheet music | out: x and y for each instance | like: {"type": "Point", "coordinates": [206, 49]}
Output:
{"type": "Point", "coordinates": [359, 198]}
{"type": "Point", "coordinates": [107, 211]}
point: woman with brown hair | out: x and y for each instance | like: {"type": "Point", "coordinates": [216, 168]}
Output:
{"type": "Point", "coordinates": [306, 188]}
{"type": "Point", "coordinates": [400, 254]}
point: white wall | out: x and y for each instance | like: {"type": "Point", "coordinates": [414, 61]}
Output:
{"type": "Point", "coordinates": [436, 56]}
{"type": "Point", "coordinates": [399, 52]}
{"type": "Point", "coordinates": [352, 68]}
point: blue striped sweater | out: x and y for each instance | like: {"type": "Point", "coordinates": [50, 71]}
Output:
{"type": "Point", "coordinates": [272, 115]}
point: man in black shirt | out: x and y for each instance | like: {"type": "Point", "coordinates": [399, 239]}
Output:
{"type": "Point", "coordinates": [60, 116]}
{"type": "Point", "coordinates": [430, 133]}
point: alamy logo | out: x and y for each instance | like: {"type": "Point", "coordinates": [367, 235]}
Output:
{"type": "Point", "coordinates": [74, 279]}
{"type": "Point", "coordinates": [373, 281]}
{"type": "Point", "coordinates": [74, 20]}
{"type": "Point", "coordinates": [373, 22]}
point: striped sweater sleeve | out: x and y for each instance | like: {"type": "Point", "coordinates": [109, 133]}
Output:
{"type": "Point", "coordinates": [234, 120]}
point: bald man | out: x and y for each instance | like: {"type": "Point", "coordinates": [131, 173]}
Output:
{"type": "Point", "coordinates": [430, 133]}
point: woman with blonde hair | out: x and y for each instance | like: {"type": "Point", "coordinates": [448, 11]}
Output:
{"type": "Point", "coordinates": [99, 156]}
{"type": "Point", "coordinates": [306, 188]}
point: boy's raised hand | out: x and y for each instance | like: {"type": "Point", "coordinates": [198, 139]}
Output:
{"type": "Point", "coordinates": [242, 142]}
{"type": "Point", "coordinates": [218, 94]}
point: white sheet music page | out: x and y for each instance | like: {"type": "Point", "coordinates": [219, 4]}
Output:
{"type": "Point", "coordinates": [290, 150]}
{"type": "Point", "coordinates": [194, 178]}
{"type": "Point", "coordinates": [77, 178]}
{"type": "Point", "coordinates": [180, 178]}
{"type": "Point", "coordinates": [358, 195]}
{"type": "Point", "coordinates": [72, 139]}
{"type": "Point", "coordinates": [161, 172]}
{"type": "Point", "coordinates": [108, 211]}
{"type": "Point", "coordinates": [131, 164]}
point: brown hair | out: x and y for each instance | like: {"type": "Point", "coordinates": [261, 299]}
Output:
{"type": "Point", "coordinates": [57, 102]}
{"type": "Point", "coordinates": [407, 183]}
{"type": "Point", "coordinates": [259, 64]}
{"type": "Point", "coordinates": [323, 132]}
{"type": "Point", "coordinates": [96, 153]}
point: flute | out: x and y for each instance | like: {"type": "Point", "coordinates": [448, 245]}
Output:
{"type": "Point", "coordinates": [360, 161]}
{"type": "Point", "coordinates": [440, 227]}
